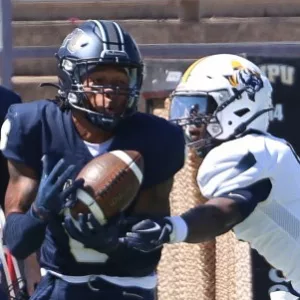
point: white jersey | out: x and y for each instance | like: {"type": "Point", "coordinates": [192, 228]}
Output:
{"type": "Point", "coordinates": [273, 228]}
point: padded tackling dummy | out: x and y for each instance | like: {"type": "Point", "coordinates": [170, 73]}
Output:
{"type": "Point", "coordinates": [215, 270]}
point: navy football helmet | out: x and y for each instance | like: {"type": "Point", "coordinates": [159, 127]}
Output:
{"type": "Point", "coordinates": [98, 43]}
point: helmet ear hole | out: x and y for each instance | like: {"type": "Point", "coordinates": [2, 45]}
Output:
{"type": "Point", "coordinates": [242, 112]}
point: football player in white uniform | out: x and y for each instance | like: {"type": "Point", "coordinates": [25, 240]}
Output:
{"type": "Point", "coordinates": [250, 178]}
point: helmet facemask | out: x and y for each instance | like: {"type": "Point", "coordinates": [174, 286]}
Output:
{"type": "Point", "coordinates": [77, 94]}
{"type": "Point", "coordinates": [193, 112]}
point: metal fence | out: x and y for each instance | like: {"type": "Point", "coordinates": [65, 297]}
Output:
{"type": "Point", "coordinates": [6, 42]}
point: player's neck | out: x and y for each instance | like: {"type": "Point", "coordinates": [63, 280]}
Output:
{"type": "Point", "coordinates": [87, 131]}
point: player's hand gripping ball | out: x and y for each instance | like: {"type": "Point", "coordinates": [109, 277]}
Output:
{"type": "Point", "coordinates": [111, 182]}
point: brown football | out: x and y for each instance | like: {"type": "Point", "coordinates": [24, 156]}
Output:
{"type": "Point", "coordinates": [111, 182]}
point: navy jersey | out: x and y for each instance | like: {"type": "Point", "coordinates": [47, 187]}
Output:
{"type": "Point", "coordinates": [40, 128]}
{"type": "Point", "coordinates": [7, 98]}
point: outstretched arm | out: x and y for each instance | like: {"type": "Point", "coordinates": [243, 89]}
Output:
{"type": "Point", "coordinates": [214, 218]}
{"type": "Point", "coordinates": [201, 223]}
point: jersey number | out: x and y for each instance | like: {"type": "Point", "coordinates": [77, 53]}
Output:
{"type": "Point", "coordinates": [5, 130]}
{"type": "Point", "coordinates": [85, 255]}
{"type": "Point", "coordinates": [82, 254]}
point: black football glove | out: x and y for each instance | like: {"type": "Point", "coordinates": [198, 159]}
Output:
{"type": "Point", "coordinates": [51, 196]}
{"type": "Point", "coordinates": [149, 235]}
{"type": "Point", "coordinates": [93, 235]}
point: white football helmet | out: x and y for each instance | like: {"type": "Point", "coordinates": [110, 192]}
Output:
{"type": "Point", "coordinates": [226, 94]}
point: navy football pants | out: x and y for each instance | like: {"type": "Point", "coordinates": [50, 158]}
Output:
{"type": "Point", "coordinates": [53, 288]}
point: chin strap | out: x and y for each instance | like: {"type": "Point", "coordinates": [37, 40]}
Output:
{"type": "Point", "coordinates": [107, 124]}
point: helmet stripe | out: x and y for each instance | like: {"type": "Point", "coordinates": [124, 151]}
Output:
{"type": "Point", "coordinates": [112, 35]}
{"type": "Point", "coordinates": [103, 34]}
{"type": "Point", "coordinates": [120, 35]}
{"type": "Point", "coordinates": [188, 72]}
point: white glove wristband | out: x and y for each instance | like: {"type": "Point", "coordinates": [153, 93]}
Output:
{"type": "Point", "coordinates": [180, 229]}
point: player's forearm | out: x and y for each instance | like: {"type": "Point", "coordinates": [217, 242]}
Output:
{"type": "Point", "coordinates": [23, 234]}
{"type": "Point", "coordinates": [205, 222]}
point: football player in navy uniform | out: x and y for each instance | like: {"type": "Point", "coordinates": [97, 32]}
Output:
{"type": "Point", "coordinates": [7, 98]}
{"type": "Point", "coordinates": [100, 74]}
{"type": "Point", "coordinates": [250, 177]}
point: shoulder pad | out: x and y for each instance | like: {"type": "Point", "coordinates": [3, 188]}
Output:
{"type": "Point", "coordinates": [8, 98]}
{"type": "Point", "coordinates": [166, 148]}
{"type": "Point", "coordinates": [20, 133]}
{"type": "Point", "coordinates": [235, 164]}
{"type": "Point", "coordinates": [161, 144]}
